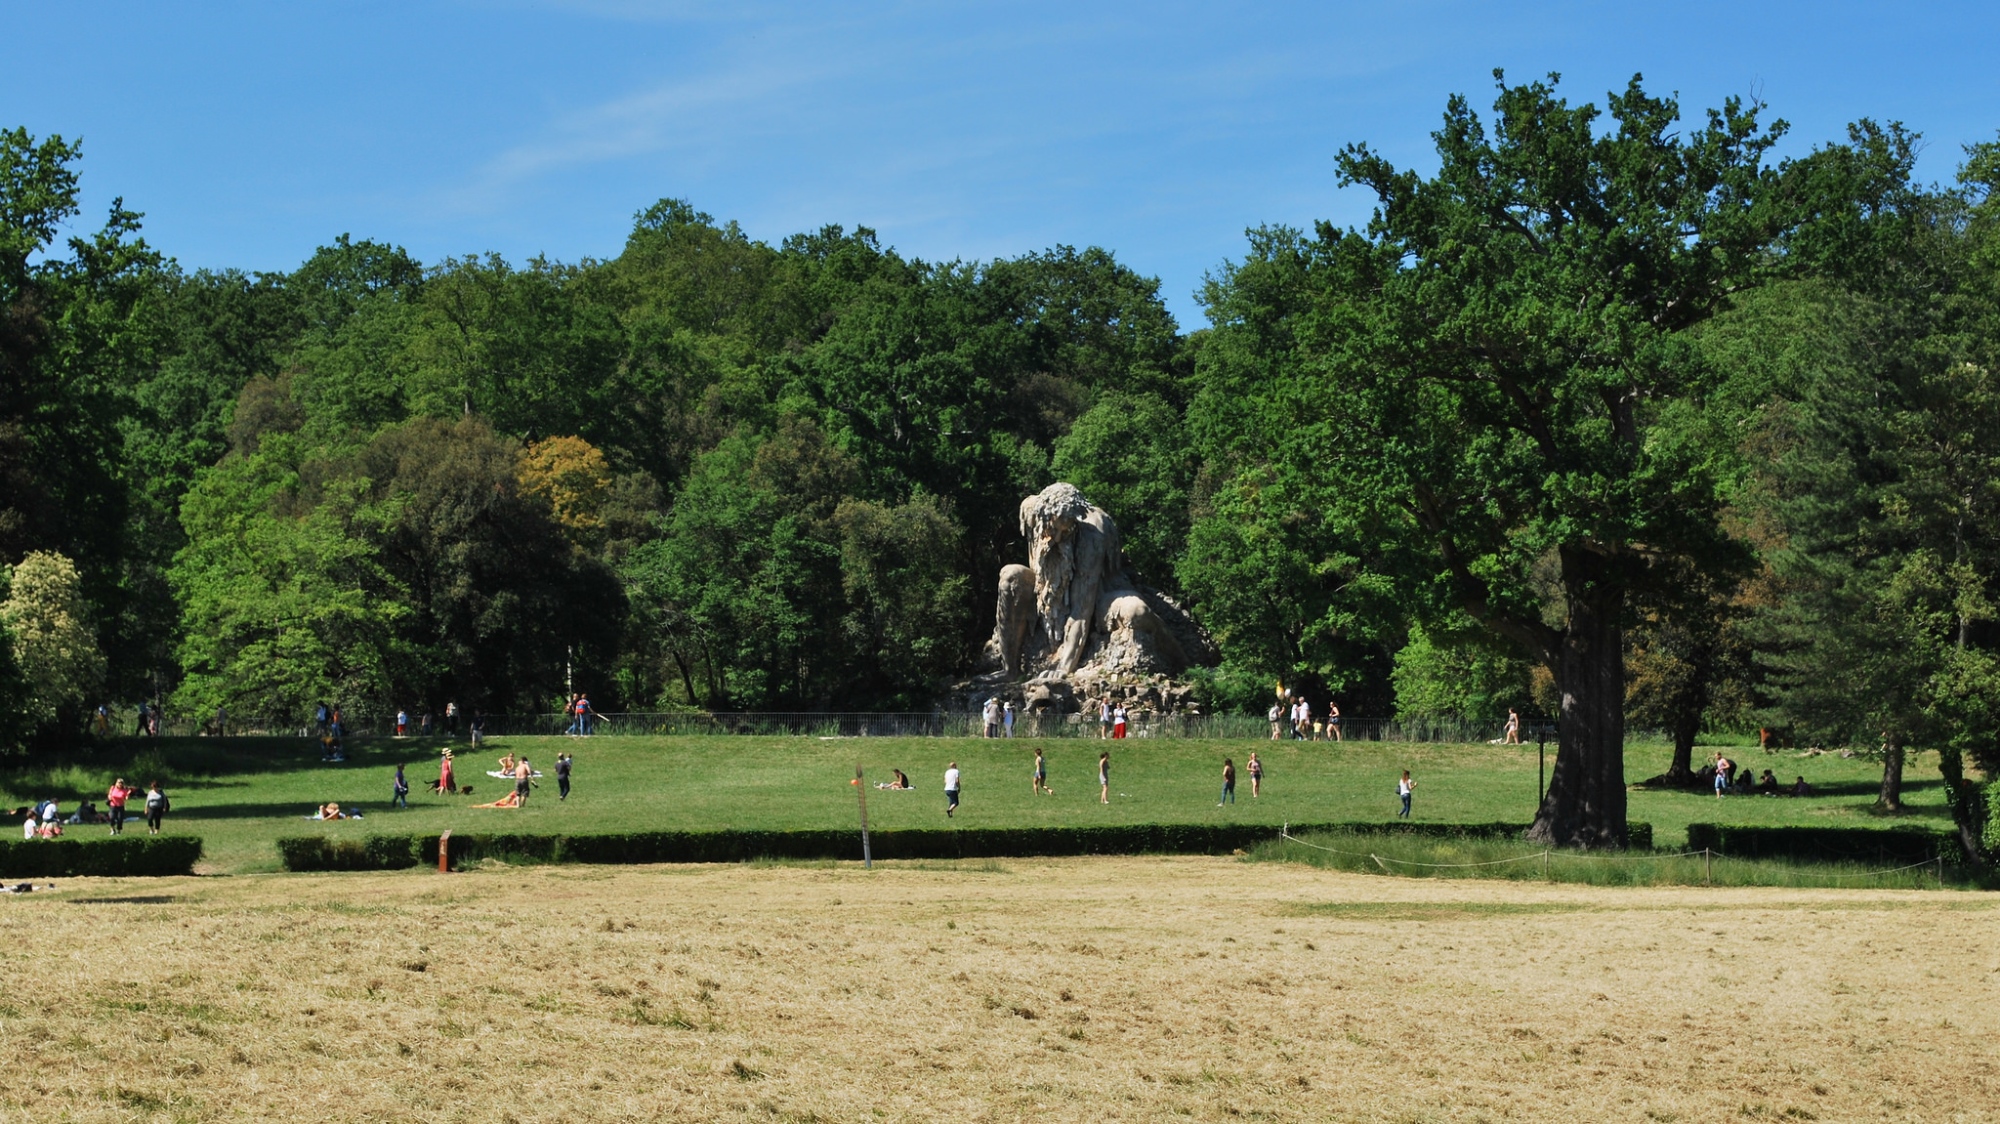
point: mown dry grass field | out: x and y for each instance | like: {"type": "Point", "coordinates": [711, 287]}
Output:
{"type": "Point", "coordinates": [1088, 989]}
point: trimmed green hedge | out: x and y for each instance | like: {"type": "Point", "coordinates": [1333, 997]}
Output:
{"type": "Point", "coordinates": [396, 852]}
{"type": "Point", "coordinates": [139, 855]}
{"type": "Point", "coordinates": [1892, 846]}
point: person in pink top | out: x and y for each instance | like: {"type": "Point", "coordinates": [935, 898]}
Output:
{"type": "Point", "coordinates": [114, 799]}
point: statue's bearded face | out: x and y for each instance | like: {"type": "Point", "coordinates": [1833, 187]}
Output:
{"type": "Point", "coordinates": [1059, 528]}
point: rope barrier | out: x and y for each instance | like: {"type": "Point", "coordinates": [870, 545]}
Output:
{"type": "Point", "coordinates": [1548, 853]}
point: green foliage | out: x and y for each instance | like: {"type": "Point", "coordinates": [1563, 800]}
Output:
{"type": "Point", "coordinates": [281, 606]}
{"type": "Point", "coordinates": [1882, 847]}
{"type": "Point", "coordinates": [1128, 455]}
{"type": "Point", "coordinates": [771, 588]}
{"type": "Point", "coordinates": [1459, 681]}
{"type": "Point", "coordinates": [47, 627]}
{"type": "Point", "coordinates": [136, 857]}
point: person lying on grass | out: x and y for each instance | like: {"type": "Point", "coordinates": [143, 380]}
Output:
{"type": "Point", "coordinates": [332, 811]}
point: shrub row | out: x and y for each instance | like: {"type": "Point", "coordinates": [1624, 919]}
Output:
{"type": "Point", "coordinates": [1894, 846]}
{"type": "Point", "coordinates": [395, 852]}
{"type": "Point", "coordinates": [71, 858]}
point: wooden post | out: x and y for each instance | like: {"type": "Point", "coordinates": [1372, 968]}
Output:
{"type": "Point", "coordinates": [444, 852]}
{"type": "Point", "coordinates": [1707, 860]}
{"type": "Point", "coordinates": [861, 792]}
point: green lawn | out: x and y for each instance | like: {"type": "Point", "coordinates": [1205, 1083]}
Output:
{"type": "Point", "coordinates": [241, 793]}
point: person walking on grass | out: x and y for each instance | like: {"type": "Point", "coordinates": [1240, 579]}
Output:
{"type": "Point", "coordinates": [114, 800]}
{"type": "Point", "coordinates": [1333, 719]}
{"type": "Point", "coordinates": [1041, 774]}
{"type": "Point", "coordinates": [400, 796]}
{"type": "Point", "coordinates": [1723, 767]}
{"type": "Point", "coordinates": [951, 790]}
{"type": "Point", "coordinates": [1404, 788]}
{"type": "Point", "coordinates": [1104, 777]}
{"type": "Point", "coordinates": [563, 765]}
{"type": "Point", "coordinates": [156, 808]}
{"type": "Point", "coordinates": [1228, 783]}
{"type": "Point", "coordinates": [1256, 770]}
{"type": "Point", "coordinates": [1513, 731]}
{"type": "Point", "coordinates": [524, 779]}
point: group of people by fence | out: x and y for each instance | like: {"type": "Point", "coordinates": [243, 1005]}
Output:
{"type": "Point", "coordinates": [1294, 713]}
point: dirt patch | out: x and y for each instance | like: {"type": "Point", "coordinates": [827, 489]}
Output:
{"type": "Point", "coordinates": [1080, 989]}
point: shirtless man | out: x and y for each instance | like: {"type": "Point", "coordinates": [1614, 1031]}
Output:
{"type": "Point", "coordinates": [524, 779]}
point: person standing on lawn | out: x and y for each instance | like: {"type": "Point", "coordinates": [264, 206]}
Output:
{"type": "Point", "coordinates": [156, 808]}
{"type": "Point", "coordinates": [114, 799]}
{"type": "Point", "coordinates": [1104, 777]}
{"type": "Point", "coordinates": [951, 790]}
{"type": "Point", "coordinates": [1256, 770]}
{"type": "Point", "coordinates": [563, 766]}
{"type": "Point", "coordinates": [400, 795]}
{"type": "Point", "coordinates": [1404, 788]}
{"type": "Point", "coordinates": [524, 779]}
{"type": "Point", "coordinates": [1228, 783]}
{"type": "Point", "coordinates": [1041, 779]}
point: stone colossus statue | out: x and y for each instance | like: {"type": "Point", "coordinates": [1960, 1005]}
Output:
{"type": "Point", "coordinates": [1072, 605]}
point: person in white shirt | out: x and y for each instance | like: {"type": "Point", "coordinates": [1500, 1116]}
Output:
{"type": "Point", "coordinates": [951, 789]}
{"type": "Point", "coordinates": [1403, 789]}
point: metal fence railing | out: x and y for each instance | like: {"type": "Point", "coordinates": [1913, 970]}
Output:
{"type": "Point", "coordinates": [824, 724]}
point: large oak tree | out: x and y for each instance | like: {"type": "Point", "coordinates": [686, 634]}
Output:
{"type": "Point", "coordinates": [1490, 384]}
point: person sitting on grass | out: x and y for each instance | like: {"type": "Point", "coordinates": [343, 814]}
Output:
{"type": "Point", "coordinates": [1800, 788]}
{"type": "Point", "coordinates": [901, 783]}
{"type": "Point", "coordinates": [1768, 785]}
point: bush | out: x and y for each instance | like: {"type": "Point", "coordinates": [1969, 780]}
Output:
{"type": "Point", "coordinates": [140, 856]}
{"type": "Point", "coordinates": [395, 852]}
{"type": "Point", "coordinates": [1895, 846]}
{"type": "Point", "coordinates": [374, 852]}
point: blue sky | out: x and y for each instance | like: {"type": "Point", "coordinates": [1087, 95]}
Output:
{"type": "Point", "coordinates": [251, 133]}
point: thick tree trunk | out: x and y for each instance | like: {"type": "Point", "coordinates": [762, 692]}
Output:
{"type": "Point", "coordinates": [1891, 799]}
{"type": "Point", "coordinates": [1968, 806]}
{"type": "Point", "coordinates": [1585, 805]}
{"type": "Point", "coordinates": [1687, 725]}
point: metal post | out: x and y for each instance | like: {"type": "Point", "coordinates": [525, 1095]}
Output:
{"type": "Point", "coordinates": [1707, 861]}
{"type": "Point", "coordinates": [861, 792]}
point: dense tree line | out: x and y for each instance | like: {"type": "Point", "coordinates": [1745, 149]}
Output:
{"type": "Point", "coordinates": [1614, 417]}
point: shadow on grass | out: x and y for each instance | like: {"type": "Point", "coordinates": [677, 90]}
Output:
{"type": "Point", "coordinates": [201, 763]}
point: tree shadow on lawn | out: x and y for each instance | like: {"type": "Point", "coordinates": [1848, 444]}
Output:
{"type": "Point", "coordinates": [195, 763]}
{"type": "Point", "coordinates": [301, 810]}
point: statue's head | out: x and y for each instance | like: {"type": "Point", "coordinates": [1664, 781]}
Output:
{"type": "Point", "coordinates": [1053, 512]}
